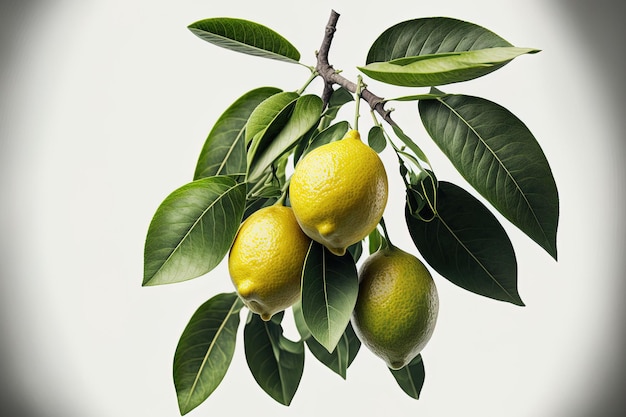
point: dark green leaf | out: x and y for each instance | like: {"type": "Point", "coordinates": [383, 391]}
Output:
{"type": "Point", "coordinates": [246, 37]}
{"type": "Point", "coordinates": [442, 68]}
{"type": "Point", "coordinates": [431, 35]}
{"type": "Point", "coordinates": [257, 204]}
{"type": "Point", "coordinates": [466, 244]}
{"type": "Point", "coordinates": [338, 98]}
{"type": "Point", "coordinates": [376, 139]}
{"type": "Point", "coordinates": [339, 359]}
{"type": "Point", "coordinates": [305, 115]}
{"type": "Point", "coordinates": [411, 377]}
{"type": "Point", "coordinates": [224, 151]}
{"type": "Point", "coordinates": [276, 362]}
{"type": "Point", "coordinates": [499, 156]}
{"type": "Point", "coordinates": [267, 114]}
{"type": "Point", "coordinates": [192, 230]}
{"type": "Point", "coordinates": [329, 291]}
{"type": "Point", "coordinates": [356, 250]}
{"type": "Point", "coordinates": [205, 350]}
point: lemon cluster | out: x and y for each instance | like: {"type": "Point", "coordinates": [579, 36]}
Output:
{"type": "Point", "coordinates": [338, 193]}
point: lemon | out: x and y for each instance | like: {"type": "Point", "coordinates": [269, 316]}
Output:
{"type": "Point", "coordinates": [338, 192]}
{"type": "Point", "coordinates": [397, 306]}
{"type": "Point", "coordinates": [266, 259]}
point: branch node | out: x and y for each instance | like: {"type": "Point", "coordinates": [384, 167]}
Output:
{"type": "Point", "coordinates": [332, 76]}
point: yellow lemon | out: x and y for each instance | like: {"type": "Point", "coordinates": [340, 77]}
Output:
{"type": "Point", "coordinates": [266, 259]}
{"type": "Point", "coordinates": [397, 306]}
{"type": "Point", "coordinates": [339, 192]}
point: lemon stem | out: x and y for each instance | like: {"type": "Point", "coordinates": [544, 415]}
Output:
{"type": "Point", "coordinates": [314, 75]}
{"type": "Point", "coordinates": [359, 87]}
{"type": "Point", "coordinates": [283, 195]}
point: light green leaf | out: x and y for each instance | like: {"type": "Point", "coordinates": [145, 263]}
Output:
{"type": "Point", "coordinates": [331, 134]}
{"type": "Point", "coordinates": [417, 97]}
{"type": "Point", "coordinates": [431, 35]}
{"type": "Point", "coordinates": [329, 290]}
{"type": "Point", "coordinates": [411, 377]}
{"type": "Point", "coordinates": [205, 350]}
{"type": "Point", "coordinates": [224, 151]}
{"type": "Point", "coordinates": [276, 362]}
{"type": "Point", "coordinates": [275, 110]}
{"type": "Point", "coordinates": [192, 230]}
{"type": "Point", "coordinates": [306, 114]}
{"type": "Point", "coordinates": [410, 144]}
{"type": "Point", "coordinates": [443, 68]}
{"type": "Point", "coordinates": [499, 156]}
{"type": "Point", "coordinates": [246, 37]}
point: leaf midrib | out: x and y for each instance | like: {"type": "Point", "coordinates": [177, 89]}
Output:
{"type": "Point", "coordinates": [224, 40]}
{"type": "Point", "coordinates": [500, 163]}
{"type": "Point", "coordinates": [188, 232]}
{"type": "Point", "coordinates": [209, 350]}
{"type": "Point", "coordinates": [489, 274]}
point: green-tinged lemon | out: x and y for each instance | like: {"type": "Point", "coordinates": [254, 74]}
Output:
{"type": "Point", "coordinates": [397, 306]}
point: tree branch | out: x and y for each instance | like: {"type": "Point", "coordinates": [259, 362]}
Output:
{"type": "Point", "coordinates": [331, 76]}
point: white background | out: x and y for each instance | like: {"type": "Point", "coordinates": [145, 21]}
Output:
{"type": "Point", "coordinates": [105, 106]}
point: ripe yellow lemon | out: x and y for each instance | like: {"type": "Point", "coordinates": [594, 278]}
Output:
{"type": "Point", "coordinates": [397, 306]}
{"type": "Point", "coordinates": [339, 192]}
{"type": "Point", "coordinates": [266, 259]}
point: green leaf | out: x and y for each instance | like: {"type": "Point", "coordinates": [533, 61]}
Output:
{"type": "Point", "coordinates": [329, 291]}
{"type": "Point", "coordinates": [276, 362]}
{"type": "Point", "coordinates": [305, 115]}
{"type": "Point", "coordinates": [257, 204]}
{"type": "Point", "coordinates": [331, 134]}
{"type": "Point", "coordinates": [301, 326]}
{"type": "Point", "coordinates": [339, 97]}
{"type": "Point", "coordinates": [411, 377]}
{"type": "Point", "coordinates": [499, 156]}
{"type": "Point", "coordinates": [431, 35]}
{"type": "Point", "coordinates": [224, 151]}
{"type": "Point", "coordinates": [205, 350]}
{"type": "Point", "coordinates": [192, 230]}
{"type": "Point", "coordinates": [376, 139]}
{"type": "Point", "coordinates": [410, 143]}
{"type": "Point", "coordinates": [341, 358]}
{"type": "Point", "coordinates": [246, 37]}
{"type": "Point", "coordinates": [443, 68]}
{"type": "Point", "coordinates": [416, 97]}
{"type": "Point", "coordinates": [356, 250]}
{"type": "Point", "coordinates": [465, 243]}
{"type": "Point", "coordinates": [376, 241]}
{"type": "Point", "coordinates": [267, 114]}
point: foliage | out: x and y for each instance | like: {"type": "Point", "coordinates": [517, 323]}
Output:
{"type": "Point", "coordinates": [244, 164]}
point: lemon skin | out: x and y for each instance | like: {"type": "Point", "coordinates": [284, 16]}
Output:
{"type": "Point", "coordinates": [397, 306]}
{"type": "Point", "coordinates": [338, 192]}
{"type": "Point", "coordinates": [266, 260]}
